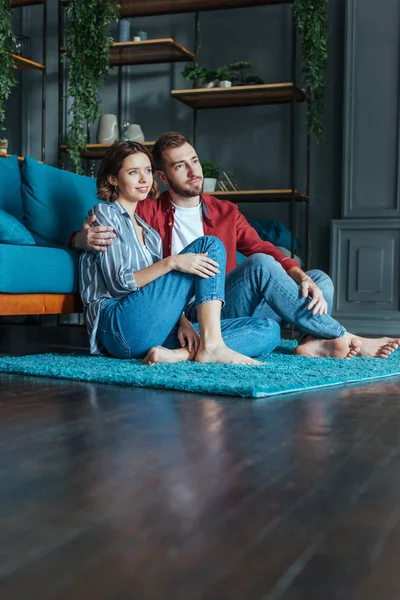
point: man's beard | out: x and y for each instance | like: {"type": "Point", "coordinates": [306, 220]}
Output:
{"type": "Point", "coordinates": [187, 191]}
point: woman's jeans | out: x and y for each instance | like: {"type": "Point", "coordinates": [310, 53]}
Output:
{"type": "Point", "coordinates": [130, 326]}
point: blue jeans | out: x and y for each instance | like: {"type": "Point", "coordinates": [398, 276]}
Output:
{"type": "Point", "coordinates": [259, 286]}
{"type": "Point", "coordinates": [129, 326]}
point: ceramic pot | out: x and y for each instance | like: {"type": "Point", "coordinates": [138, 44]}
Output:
{"type": "Point", "coordinates": [107, 131]}
{"type": "Point", "coordinates": [209, 184]}
{"type": "Point", "coordinates": [225, 84]}
{"type": "Point", "coordinates": [134, 133]}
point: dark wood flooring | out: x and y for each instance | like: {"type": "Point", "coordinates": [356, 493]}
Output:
{"type": "Point", "coordinates": [122, 494]}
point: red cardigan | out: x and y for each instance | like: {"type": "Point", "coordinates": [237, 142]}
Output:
{"type": "Point", "coordinates": [220, 218]}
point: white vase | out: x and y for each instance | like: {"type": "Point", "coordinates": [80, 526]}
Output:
{"type": "Point", "coordinates": [107, 131]}
{"type": "Point", "coordinates": [134, 133]}
{"type": "Point", "coordinates": [209, 184]}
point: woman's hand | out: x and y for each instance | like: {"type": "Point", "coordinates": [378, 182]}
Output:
{"type": "Point", "coordinates": [198, 264]}
{"type": "Point", "coordinates": [188, 336]}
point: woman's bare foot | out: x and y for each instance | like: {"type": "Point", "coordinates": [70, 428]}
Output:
{"type": "Point", "coordinates": [159, 354]}
{"type": "Point", "coordinates": [379, 347]}
{"type": "Point", "coordinates": [222, 354]}
{"type": "Point", "coordinates": [345, 347]}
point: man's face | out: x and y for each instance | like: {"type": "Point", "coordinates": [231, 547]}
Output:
{"type": "Point", "coordinates": [182, 171]}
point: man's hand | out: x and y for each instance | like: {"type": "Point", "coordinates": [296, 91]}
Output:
{"type": "Point", "coordinates": [93, 238]}
{"type": "Point", "coordinates": [318, 304]}
{"type": "Point", "coordinates": [188, 336]}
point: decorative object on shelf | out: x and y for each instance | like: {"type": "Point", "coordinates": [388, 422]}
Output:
{"type": "Point", "coordinates": [107, 130]}
{"type": "Point", "coordinates": [22, 46]}
{"type": "Point", "coordinates": [133, 133]}
{"type": "Point", "coordinates": [88, 55]}
{"type": "Point", "coordinates": [226, 183]}
{"type": "Point", "coordinates": [210, 174]}
{"type": "Point", "coordinates": [311, 19]}
{"type": "Point", "coordinates": [200, 76]}
{"type": "Point", "coordinates": [7, 62]}
{"type": "Point", "coordinates": [143, 35]}
{"type": "Point", "coordinates": [238, 76]}
{"type": "Point", "coordinates": [225, 76]}
{"type": "Point", "coordinates": [3, 146]}
{"type": "Point", "coordinates": [124, 30]}
{"type": "Point", "coordinates": [137, 38]}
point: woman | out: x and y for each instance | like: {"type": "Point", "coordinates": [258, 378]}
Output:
{"type": "Point", "coordinates": [135, 299]}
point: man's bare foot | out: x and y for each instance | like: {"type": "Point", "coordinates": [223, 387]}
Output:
{"type": "Point", "coordinates": [337, 348]}
{"type": "Point", "coordinates": [159, 354]}
{"type": "Point", "coordinates": [379, 347]}
{"type": "Point", "coordinates": [222, 354]}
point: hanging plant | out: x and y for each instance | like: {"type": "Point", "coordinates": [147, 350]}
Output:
{"type": "Point", "coordinates": [7, 63]}
{"type": "Point", "coordinates": [311, 18]}
{"type": "Point", "coordinates": [88, 56]}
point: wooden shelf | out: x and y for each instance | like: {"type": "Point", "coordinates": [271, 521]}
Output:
{"type": "Point", "coordinates": [96, 151]}
{"type": "Point", "coordinates": [149, 52]}
{"type": "Point", "coordinates": [143, 8]}
{"type": "Point", "coordinates": [260, 196]}
{"type": "Point", "coordinates": [21, 3]}
{"type": "Point", "coordinates": [24, 64]}
{"type": "Point", "coordinates": [246, 95]}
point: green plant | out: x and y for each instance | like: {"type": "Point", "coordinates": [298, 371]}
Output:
{"type": "Point", "coordinates": [311, 18]}
{"type": "Point", "coordinates": [210, 169]}
{"type": "Point", "coordinates": [88, 55]}
{"type": "Point", "coordinates": [7, 63]}
{"type": "Point", "coordinates": [225, 74]}
{"type": "Point", "coordinates": [198, 74]}
{"type": "Point", "coordinates": [237, 69]}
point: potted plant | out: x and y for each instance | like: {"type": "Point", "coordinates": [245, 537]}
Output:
{"type": "Point", "coordinates": [225, 75]}
{"type": "Point", "coordinates": [210, 174]}
{"type": "Point", "coordinates": [311, 19]}
{"type": "Point", "coordinates": [88, 55]}
{"type": "Point", "coordinates": [7, 63]}
{"type": "Point", "coordinates": [199, 75]}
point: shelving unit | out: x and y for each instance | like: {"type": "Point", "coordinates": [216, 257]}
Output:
{"type": "Point", "coordinates": [167, 50]}
{"type": "Point", "coordinates": [25, 64]}
{"type": "Point", "coordinates": [156, 51]}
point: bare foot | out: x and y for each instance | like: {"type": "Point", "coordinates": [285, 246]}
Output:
{"type": "Point", "coordinates": [222, 354]}
{"type": "Point", "coordinates": [336, 348]}
{"type": "Point", "coordinates": [379, 347]}
{"type": "Point", "coordinates": [159, 354]}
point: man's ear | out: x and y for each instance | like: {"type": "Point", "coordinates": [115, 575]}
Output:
{"type": "Point", "coordinates": [112, 180]}
{"type": "Point", "coordinates": [161, 177]}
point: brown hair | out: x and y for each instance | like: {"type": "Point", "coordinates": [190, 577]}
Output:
{"type": "Point", "coordinates": [112, 164]}
{"type": "Point", "coordinates": [172, 139]}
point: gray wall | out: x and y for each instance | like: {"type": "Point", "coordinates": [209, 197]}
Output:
{"type": "Point", "coordinates": [251, 142]}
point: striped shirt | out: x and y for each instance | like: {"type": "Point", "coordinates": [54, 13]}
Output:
{"type": "Point", "coordinates": [110, 274]}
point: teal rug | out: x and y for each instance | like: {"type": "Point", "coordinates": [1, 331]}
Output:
{"type": "Point", "coordinates": [282, 373]}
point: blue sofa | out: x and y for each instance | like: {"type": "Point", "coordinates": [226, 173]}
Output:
{"type": "Point", "coordinates": [39, 207]}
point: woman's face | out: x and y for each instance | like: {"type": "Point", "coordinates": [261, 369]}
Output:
{"type": "Point", "coordinates": [135, 178]}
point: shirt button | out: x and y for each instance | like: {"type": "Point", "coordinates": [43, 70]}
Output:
{"type": "Point", "coordinates": [170, 224]}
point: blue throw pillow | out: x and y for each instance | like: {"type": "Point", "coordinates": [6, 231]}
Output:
{"type": "Point", "coordinates": [13, 232]}
{"type": "Point", "coordinates": [10, 186]}
{"type": "Point", "coordinates": [56, 202]}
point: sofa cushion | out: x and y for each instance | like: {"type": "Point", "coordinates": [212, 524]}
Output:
{"type": "Point", "coordinates": [35, 270]}
{"type": "Point", "coordinates": [55, 202]}
{"type": "Point", "coordinates": [10, 187]}
{"type": "Point", "coordinates": [13, 231]}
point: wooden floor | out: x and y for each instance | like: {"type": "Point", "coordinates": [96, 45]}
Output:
{"type": "Point", "coordinates": [122, 494]}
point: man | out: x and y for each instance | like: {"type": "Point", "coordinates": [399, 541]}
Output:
{"type": "Point", "coordinates": [267, 284]}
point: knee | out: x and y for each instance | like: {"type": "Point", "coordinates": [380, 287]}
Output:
{"type": "Point", "coordinates": [261, 261]}
{"type": "Point", "coordinates": [322, 280]}
{"type": "Point", "coordinates": [212, 241]}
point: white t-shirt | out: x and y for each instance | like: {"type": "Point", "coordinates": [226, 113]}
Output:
{"type": "Point", "coordinates": [188, 226]}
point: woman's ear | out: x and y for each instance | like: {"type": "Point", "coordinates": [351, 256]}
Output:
{"type": "Point", "coordinates": [112, 180]}
{"type": "Point", "coordinates": [161, 177]}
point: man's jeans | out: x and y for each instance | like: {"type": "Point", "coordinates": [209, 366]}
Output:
{"type": "Point", "coordinates": [130, 326]}
{"type": "Point", "coordinates": [259, 286]}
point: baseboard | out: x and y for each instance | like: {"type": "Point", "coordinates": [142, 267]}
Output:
{"type": "Point", "coordinates": [375, 327]}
